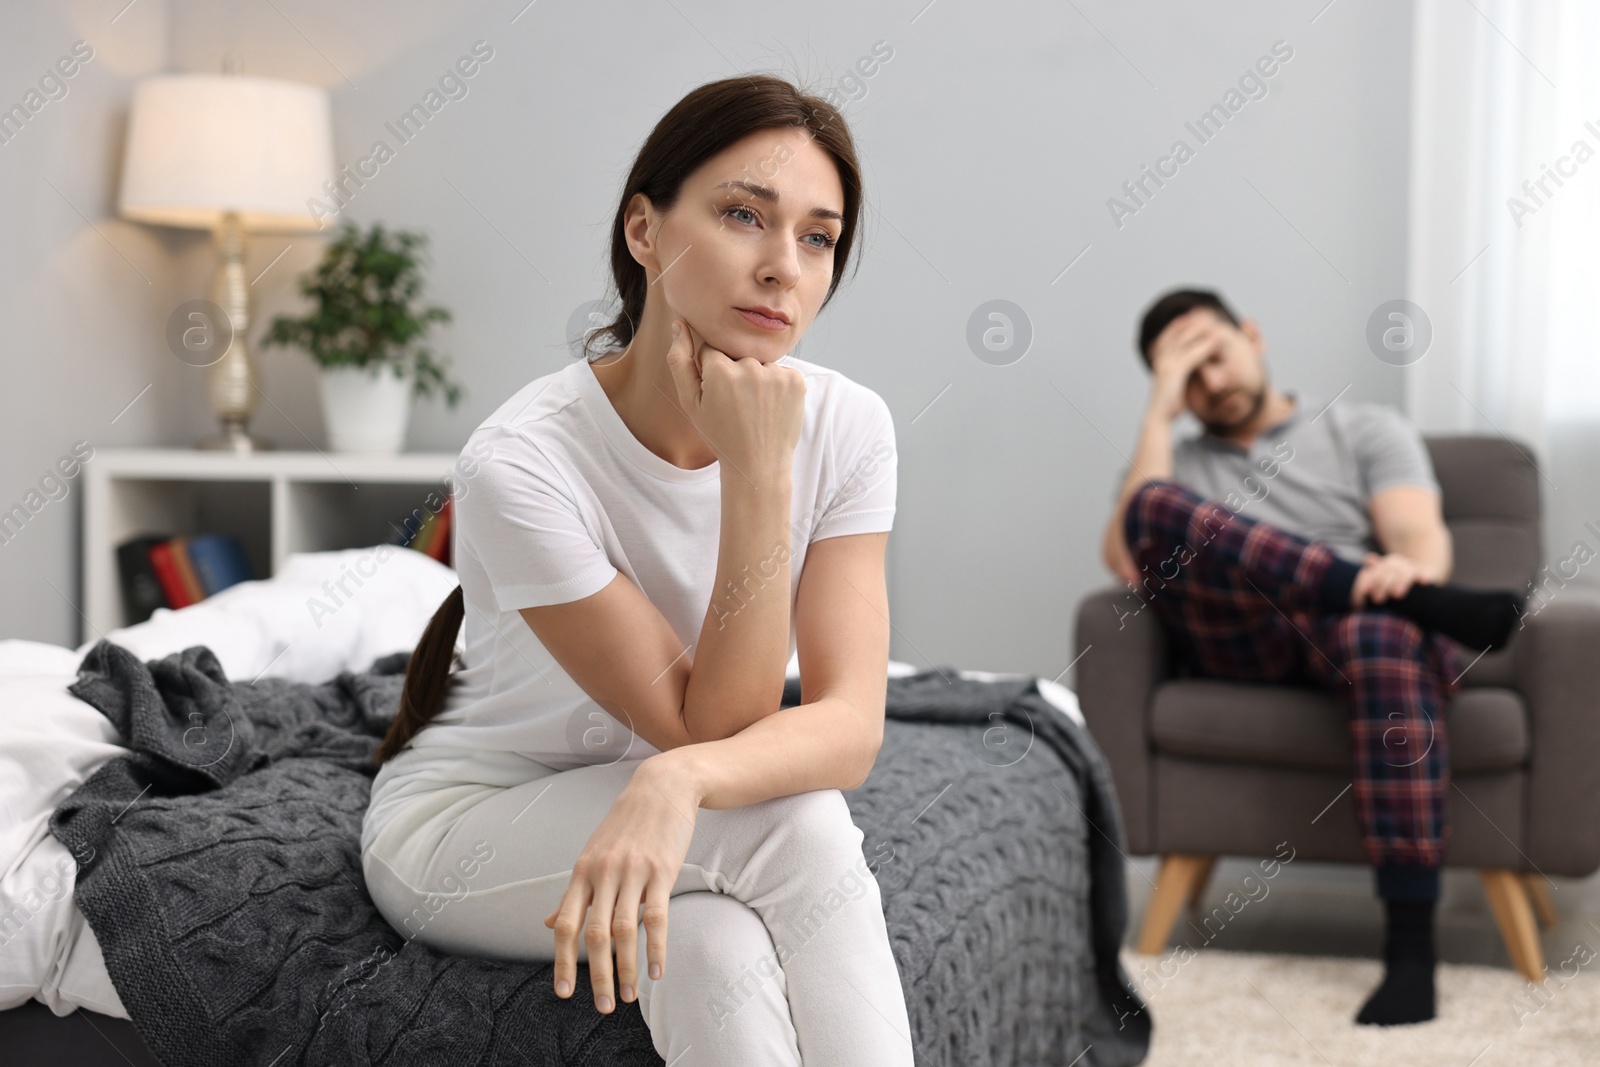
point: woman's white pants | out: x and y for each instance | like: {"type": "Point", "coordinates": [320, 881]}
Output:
{"type": "Point", "coordinates": [777, 951]}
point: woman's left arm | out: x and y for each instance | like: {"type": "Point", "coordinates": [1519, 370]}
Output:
{"type": "Point", "coordinates": [830, 741]}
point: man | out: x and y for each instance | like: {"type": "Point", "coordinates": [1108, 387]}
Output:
{"type": "Point", "coordinates": [1302, 541]}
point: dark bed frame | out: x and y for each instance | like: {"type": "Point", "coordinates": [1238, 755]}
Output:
{"type": "Point", "coordinates": [32, 1035]}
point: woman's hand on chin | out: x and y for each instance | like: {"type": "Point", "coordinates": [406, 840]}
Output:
{"type": "Point", "coordinates": [751, 412]}
{"type": "Point", "coordinates": [625, 874]}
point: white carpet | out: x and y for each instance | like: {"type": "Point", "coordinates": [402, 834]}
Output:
{"type": "Point", "coordinates": [1247, 1009]}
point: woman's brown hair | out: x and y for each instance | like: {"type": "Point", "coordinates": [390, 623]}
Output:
{"type": "Point", "coordinates": [427, 676]}
{"type": "Point", "coordinates": [699, 126]}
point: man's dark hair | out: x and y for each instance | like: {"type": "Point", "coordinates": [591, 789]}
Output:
{"type": "Point", "coordinates": [1171, 306]}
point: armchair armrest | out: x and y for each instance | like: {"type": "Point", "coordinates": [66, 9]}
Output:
{"type": "Point", "coordinates": [1124, 657]}
{"type": "Point", "coordinates": [1558, 675]}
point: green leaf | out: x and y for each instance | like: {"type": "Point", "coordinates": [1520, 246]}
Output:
{"type": "Point", "coordinates": [366, 310]}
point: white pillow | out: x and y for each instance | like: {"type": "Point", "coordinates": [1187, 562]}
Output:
{"type": "Point", "coordinates": [323, 613]}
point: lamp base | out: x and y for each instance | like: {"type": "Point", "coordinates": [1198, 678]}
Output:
{"type": "Point", "coordinates": [234, 439]}
{"type": "Point", "coordinates": [231, 379]}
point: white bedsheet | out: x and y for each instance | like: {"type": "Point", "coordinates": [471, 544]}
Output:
{"type": "Point", "coordinates": [298, 625]}
{"type": "Point", "coordinates": [50, 742]}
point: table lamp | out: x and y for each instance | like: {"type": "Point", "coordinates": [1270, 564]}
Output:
{"type": "Point", "coordinates": [231, 154]}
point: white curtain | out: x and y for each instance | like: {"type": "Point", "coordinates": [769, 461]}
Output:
{"type": "Point", "coordinates": [1508, 273]}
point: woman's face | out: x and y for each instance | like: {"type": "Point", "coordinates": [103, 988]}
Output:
{"type": "Point", "coordinates": [754, 227]}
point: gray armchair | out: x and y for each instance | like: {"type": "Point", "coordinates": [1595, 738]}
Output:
{"type": "Point", "coordinates": [1207, 768]}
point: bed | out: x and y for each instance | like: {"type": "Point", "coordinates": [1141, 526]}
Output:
{"type": "Point", "coordinates": [171, 903]}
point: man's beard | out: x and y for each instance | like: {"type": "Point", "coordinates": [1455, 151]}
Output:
{"type": "Point", "coordinates": [1258, 401]}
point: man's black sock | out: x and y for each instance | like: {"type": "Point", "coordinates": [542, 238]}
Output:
{"type": "Point", "coordinates": [1475, 617]}
{"type": "Point", "coordinates": [1406, 994]}
{"type": "Point", "coordinates": [1478, 618]}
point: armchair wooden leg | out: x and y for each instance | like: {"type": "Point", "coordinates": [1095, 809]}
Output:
{"type": "Point", "coordinates": [1202, 879]}
{"type": "Point", "coordinates": [1508, 898]}
{"type": "Point", "coordinates": [1539, 896]}
{"type": "Point", "coordinates": [1176, 885]}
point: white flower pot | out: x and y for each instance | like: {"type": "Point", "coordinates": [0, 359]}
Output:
{"type": "Point", "coordinates": [365, 410]}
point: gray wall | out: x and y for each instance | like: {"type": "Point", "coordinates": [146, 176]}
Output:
{"type": "Point", "coordinates": [992, 140]}
{"type": "Point", "coordinates": [83, 295]}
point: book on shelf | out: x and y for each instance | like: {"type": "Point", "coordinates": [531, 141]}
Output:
{"type": "Point", "coordinates": [220, 561]}
{"type": "Point", "coordinates": [173, 590]}
{"type": "Point", "coordinates": [432, 536]}
{"type": "Point", "coordinates": [438, 544]}
{"type": "Point", "coordinates": [141, 588]}
{"type": "Point", "coordinates": [184, 564]}
{"type": "Point", "coordinates": [163, 571]}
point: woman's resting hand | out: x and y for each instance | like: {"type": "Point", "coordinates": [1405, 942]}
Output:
{"type": "Point", "coordinates": [632, 858]}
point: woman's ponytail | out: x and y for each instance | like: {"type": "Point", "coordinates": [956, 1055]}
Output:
{"type": "Point", "coordinates": [427, 677]}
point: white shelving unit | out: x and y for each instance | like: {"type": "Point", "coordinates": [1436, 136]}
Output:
{"type": "Point", "coordinates": [276, 503]}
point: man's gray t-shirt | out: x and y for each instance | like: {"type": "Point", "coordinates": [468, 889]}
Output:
{"type": "Point", "coordinates": [1313, 473]}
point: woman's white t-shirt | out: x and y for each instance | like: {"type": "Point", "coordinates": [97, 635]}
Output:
{"type": "Point", "coordinates": [558, 497]}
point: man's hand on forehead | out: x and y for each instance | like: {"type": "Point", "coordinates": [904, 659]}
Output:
{"type": "Point", "coordinates": [1197, 322]}
{"type": "Point", "coordinates": [1194, 327]}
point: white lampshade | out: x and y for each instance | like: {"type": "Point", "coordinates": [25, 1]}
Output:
{"type": "Point", "coordinates": [201, 145]}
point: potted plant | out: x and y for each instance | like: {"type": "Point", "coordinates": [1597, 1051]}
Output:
{"type": "Point", "coordinates": [365, 332]}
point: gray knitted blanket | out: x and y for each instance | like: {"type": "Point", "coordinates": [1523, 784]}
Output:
{"type": "Point", "coordinates": [219, 867]}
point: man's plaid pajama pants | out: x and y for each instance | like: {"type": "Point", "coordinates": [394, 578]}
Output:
{"type": "Point", "coordinates": [1240, 600]}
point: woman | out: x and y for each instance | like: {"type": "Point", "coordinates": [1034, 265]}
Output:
{"type": "Point", "coordinates": [634, 537]}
